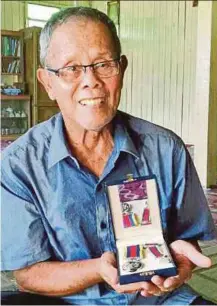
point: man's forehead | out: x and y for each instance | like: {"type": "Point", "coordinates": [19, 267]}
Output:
{"type": "Point", "coordinates": [81, 35]}
{"type": "Point", "coordinates": [80, 28]}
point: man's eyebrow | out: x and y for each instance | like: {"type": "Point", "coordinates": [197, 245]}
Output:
{"type": "Point", "coordinates": [98, 57]}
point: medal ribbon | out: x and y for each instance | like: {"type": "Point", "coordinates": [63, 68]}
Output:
{"type": "Point", "coordinates": [155, 251]}
{"type": "Point", "coordinates": [146, 216]}
{"type": "Point", "coordinates": [135, 251]}
{"type": "Point", "coordinates": [130, 220]}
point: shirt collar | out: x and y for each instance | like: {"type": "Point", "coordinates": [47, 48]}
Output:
{"type": "Point", "coordinates": [58, 147]}
{"type": "Point", "coordinates": [122, 139]}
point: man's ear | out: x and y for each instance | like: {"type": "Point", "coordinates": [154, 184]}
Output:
{"type": "Point", "coordinates": [124, 63]}
{"type": "Point", "coordinates": [44, 79]}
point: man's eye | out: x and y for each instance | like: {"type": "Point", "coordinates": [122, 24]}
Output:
{"type": "Point", "coordinates": [72, 68]}
{"type": "Point", "coordinates": [102, 65]}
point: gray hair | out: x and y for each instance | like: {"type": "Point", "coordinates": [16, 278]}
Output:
{"type": "Point", "coordinates": [64, 15]}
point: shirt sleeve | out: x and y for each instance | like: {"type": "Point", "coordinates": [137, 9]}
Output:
{"type": "Point", "coordinates": [190, 215]}
{"type": "Point", "coordinates": [24, 239]}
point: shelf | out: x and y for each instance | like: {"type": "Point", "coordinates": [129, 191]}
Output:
{"type": "Point", "coordinates": [15, 34]}
{"type": "Point", "coordinates": [17, 97]}
{"type": "Point", "coordinates": [2, 118]}
{"type": "Point", "coordinates": [8, 73]}
{"type": "Point", "coordinates": [10, 137]}
{"type": "Point", "coordinates": [10, 57]}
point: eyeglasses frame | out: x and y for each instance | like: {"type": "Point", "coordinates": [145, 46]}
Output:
{"type": "Point", "coordinates": [84, 67]}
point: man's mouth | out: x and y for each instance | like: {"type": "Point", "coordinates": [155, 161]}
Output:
{"type": "Point", "coordinates": [91, 102]}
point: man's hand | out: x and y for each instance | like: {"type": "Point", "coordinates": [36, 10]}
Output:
{"type": "Point", "coordinates": [186, 256]}
{"type": "Point", "coordinates": [108, 272]}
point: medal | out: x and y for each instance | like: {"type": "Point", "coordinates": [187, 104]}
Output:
{"type": "Point", "coordinates": [146, 216]}
{"type": "Point", "coordinates": [130, 220]}
{"type": "Point", "coordinates": [131, 194]}
{"type": "Point", "coordinates": [134, 255]}
{"type": "Point", "coordinates": [157, 252]}
{"type": "Point", "coordinates": [129, 217]}
{"type": "Point", "coordinates": [132, 264]}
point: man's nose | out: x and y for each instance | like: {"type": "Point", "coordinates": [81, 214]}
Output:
{"type": "Point", "coordinates": [90, 78]}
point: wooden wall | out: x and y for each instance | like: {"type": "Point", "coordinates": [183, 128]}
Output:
{"type": "Point", "coordinates": [160, 39]}
{"type": "Point", "coordinates": [212, 119]}
{"type": "Point", "coordinates": [12, 15]}
{"type": "Point", "coordinates": [205, 121]}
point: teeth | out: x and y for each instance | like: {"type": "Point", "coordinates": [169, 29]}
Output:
{"type": "Point", "coordinates": [91, 101]}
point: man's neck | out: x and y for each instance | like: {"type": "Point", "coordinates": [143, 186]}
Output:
{"type": "Point", "coordinates": [91, 148]}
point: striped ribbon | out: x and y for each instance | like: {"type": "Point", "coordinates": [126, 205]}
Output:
{"type": "Point", "coordinates": [146, 216]}
{"type": "Point", "coordinates": [135, 251]}
{"type": "Point", "coordinates": [155, 250]}
{"type": "Point", "coordinates": [130, 220]}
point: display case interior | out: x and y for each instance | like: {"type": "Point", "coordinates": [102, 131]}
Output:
{"type": "Point", "coordinates": [141, 248]}
{"type": "Point", "coordinates": [15, 119]}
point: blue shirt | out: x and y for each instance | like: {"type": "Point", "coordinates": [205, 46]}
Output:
{"type": "Point", "coordinates": [53, 207]}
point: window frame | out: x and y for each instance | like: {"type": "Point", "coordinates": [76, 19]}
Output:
{"type": "Point", "coordinates": [27, 19]}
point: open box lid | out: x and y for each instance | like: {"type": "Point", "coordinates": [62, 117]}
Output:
{"type": "Point", "coordinates": [140, 196]}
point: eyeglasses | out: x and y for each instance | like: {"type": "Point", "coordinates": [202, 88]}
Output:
{"type": "Point", "coordinates": [106, 69]}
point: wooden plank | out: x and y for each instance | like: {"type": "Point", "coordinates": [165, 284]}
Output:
{"type": "Point", "coordinates": [18, 97]}
{"type": "Point", "coordinates": [141, 60]}
{"type": "Point", "coordinates": [127, 19]}
{"type": "Point", "coordinates": [10, 137]}
{"type": "Point", "coordinates": [134, 81]}
{"type": "Point", "coordinates": [22, 15]}
{"type": "Point", "coordinates": [149, 8]}
{"type": "Point", "coordinates": [173, 71]}
{"type": "Point", "coordinates": [124, 37]}
{"type": "Point", "coordinates": [155, 53]}
{"type": "Point", "coordinates": [187, 52]}
{"type": "Point", "coordinates": [16, 15]}
{"type": "Point", "coordinates": [168, 60]}
{"type": "Point", "coordinates": [3, 19]}
{"type": "Point", "coordinates": [8, 15]}
{"type": "Point", "coordinates": [180, 66]}
{"type": "Point", "coordinates": [100, 5]}
{"type": "Point", "coordinates": [161, 63]}
{"type": "Point", "coordinates": [212, 122]}
{"type": "Point", "coordinates": [192, 93]}
{"type": "Point", "coordinates": [53, 3]}
{"type": "Point", "coordinates": [84, 3]}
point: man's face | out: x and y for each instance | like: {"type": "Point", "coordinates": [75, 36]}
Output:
{"type": "Point", "coordinates": [90, 102]}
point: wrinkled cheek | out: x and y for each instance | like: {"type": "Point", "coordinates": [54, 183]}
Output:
{"type": "Point", "coordinates": [64, 98]}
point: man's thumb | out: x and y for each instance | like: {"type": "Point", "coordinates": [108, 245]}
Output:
{"type": "Point", "coordinates": [189, 250]}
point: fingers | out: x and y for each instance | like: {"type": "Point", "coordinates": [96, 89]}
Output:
{"type": "Point", "coordinates": [129, 288]}
{"type": "Point", "coordinates": [107, 268]}
{"type": "Point", "coordinates": [109, 274]}
{"type": "Point", "coordinates": [146, 293]}
{"type": "Point", "coordinates": [184, 274]}
{"type": "Point", "coordinates": [158, 281]}
{"type": "Point", "coordinates": [146, 289]}
{"type": "Point", "coordinates": [189, 250]}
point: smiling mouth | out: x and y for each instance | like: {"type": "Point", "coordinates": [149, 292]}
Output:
{"type": "Point", "coordinates": [91, 102]}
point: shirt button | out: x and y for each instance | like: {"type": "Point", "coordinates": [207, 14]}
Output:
{"type": "Point", "coordinates": [99, 187]}
{"type": "Point", "coordinates": [103, 225]}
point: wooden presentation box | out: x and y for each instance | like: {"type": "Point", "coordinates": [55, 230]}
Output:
{"type": "Point", "coordinates": [141, 249]}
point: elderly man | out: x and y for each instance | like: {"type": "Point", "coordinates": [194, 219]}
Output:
{"type": "Point", "coordinates": [57, 231]}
